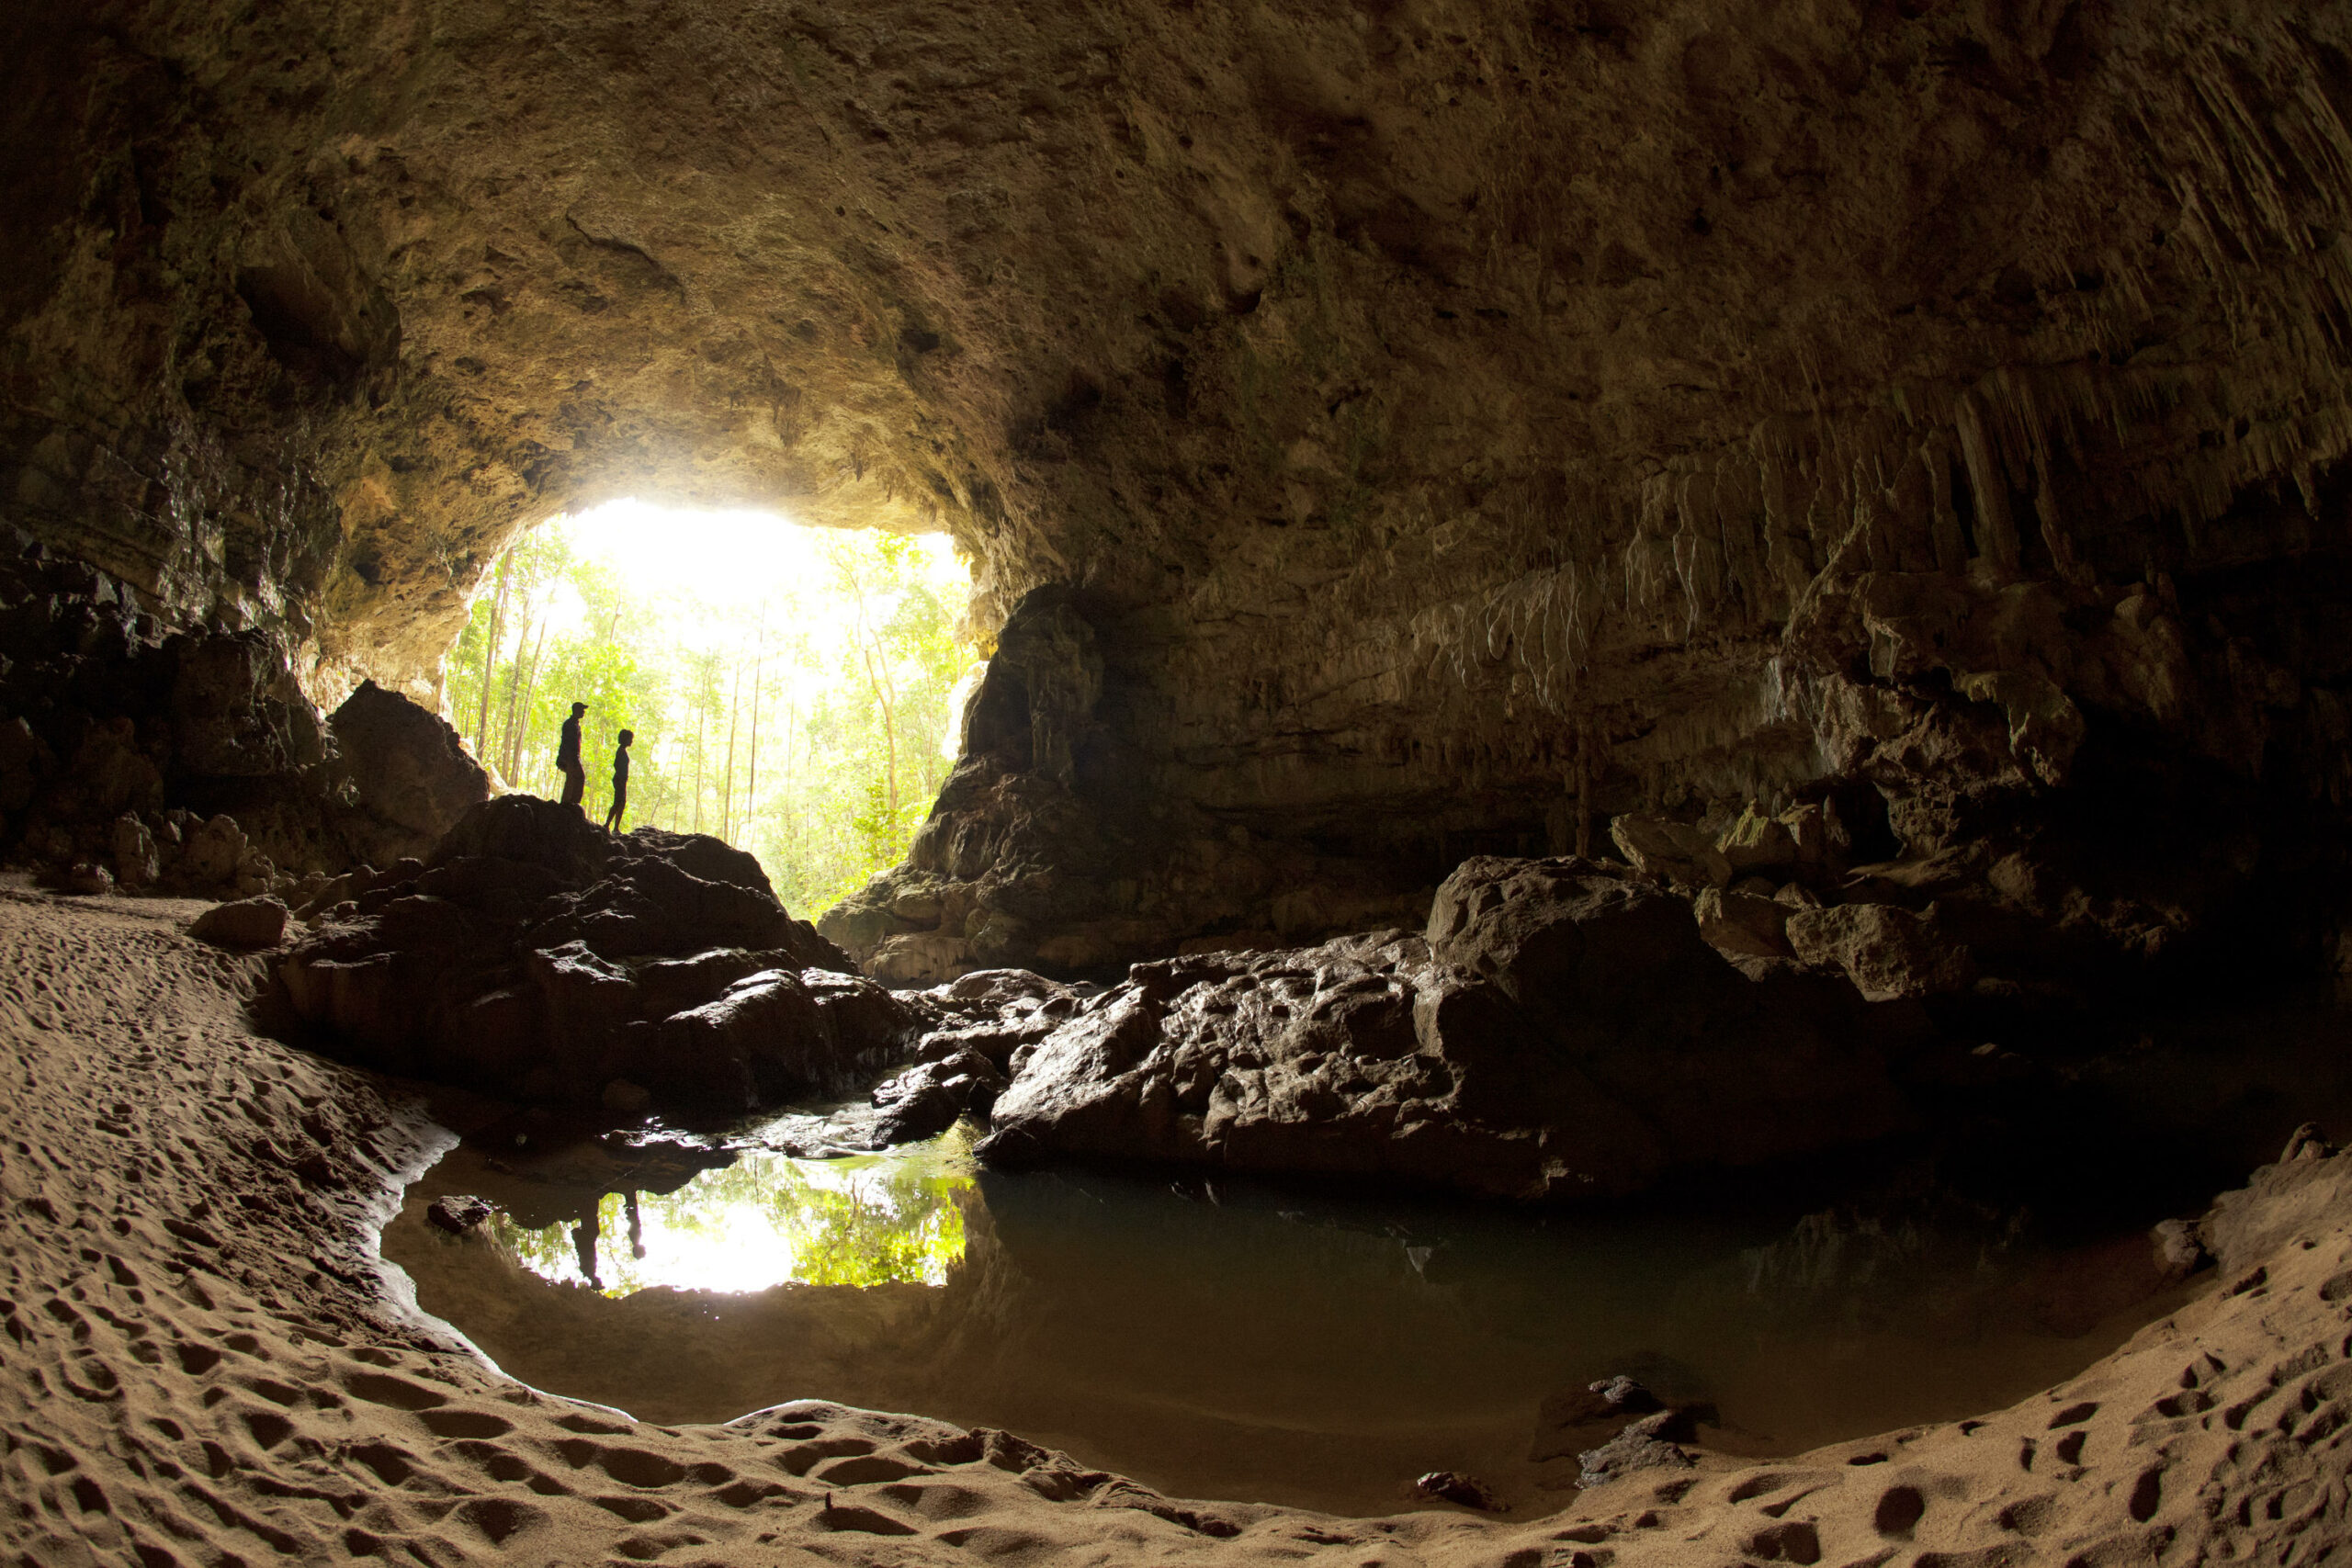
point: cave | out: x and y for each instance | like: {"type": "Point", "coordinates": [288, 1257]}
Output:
{"type": "Point", "coordinates": [1617, 617]}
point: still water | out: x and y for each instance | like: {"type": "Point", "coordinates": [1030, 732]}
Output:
{"type": "Point", "coordinates": [1262, 1343]}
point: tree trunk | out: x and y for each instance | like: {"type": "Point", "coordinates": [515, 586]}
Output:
{"type": "Point", "coordinates": [759, 666]}
{"type": "Point", "coordinates": [514, 696]}
{"type": "Point", "coordinates": [531, 689]}
{"type": "Point", "coordinates": [490, 664]}
{"type": "Point", "coordinates": [727, 786]}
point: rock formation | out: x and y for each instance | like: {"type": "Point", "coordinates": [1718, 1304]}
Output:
{"type": "Point", "coordinates": [208, 1359]}
{"type": "Point", "coordinates": [1442, 426]}
{"type": "Point", "coordinates": [1561, 1031]}
{"type": "Point", "coordinates": [539, 959]}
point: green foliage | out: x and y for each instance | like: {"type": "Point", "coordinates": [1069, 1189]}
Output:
{"type": "Point", "coordinates": [804, 723]}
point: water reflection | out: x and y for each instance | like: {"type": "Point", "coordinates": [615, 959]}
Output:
{"type": "Point", "coordinates": [768, 1219]}
{"type": "Point", "coordinates": [1320, 1347]}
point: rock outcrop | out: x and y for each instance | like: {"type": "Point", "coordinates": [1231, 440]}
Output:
{"type": "Point", "coordinates": [1451, 425]}
{"type": "Point", "coordinates": [1560, 1031]}
{"type": "Point", "coordinates": [188, 762]}
{"type": "Point", "coordinates": [536, 958]}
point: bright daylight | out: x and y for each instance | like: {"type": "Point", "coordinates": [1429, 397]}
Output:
{"type": "Point", "coordinates": [791, 688]}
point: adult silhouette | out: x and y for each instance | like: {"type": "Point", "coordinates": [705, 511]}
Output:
{"type": "Point", "coordinates": [567, 760]}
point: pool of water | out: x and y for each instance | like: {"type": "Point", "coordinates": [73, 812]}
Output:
{"type": "Point", "coordinates": [1248, 1341]}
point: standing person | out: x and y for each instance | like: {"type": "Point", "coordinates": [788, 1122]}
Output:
{"type": "Point", "coordinates": [620, 782]}
{"type": "Point", "coordinates": [567, 760]}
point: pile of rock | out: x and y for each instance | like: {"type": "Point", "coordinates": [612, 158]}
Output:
{"type": "Point", "coordinates": [534, 957]}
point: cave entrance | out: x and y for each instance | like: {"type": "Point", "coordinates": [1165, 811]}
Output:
{"type": "Point", "coordinates": [790, 689]}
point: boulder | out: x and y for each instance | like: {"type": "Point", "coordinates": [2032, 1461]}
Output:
{"type": "Point", "coordinates": [1889, 953]}
{"type": "Point", "coordinates": [1758, 842]}
{"type": "Point", "coordinates": [405, 764]}
{"type": "Point", "coordinates": [1743, 925]}
{"type": "Point", "coordinates": [924, 958]}
{"type": "Point", "coordinates": [212, 854]}
{"type": "Point", "coordinates": [927, 1099]}
{"type": "Point", "coordinates": [1560, 1030]}
{"type": "Point", "coordinates": [247, 922]}
{"type": "Point", "coordinates": [137, 862]}
{"type": "Point", "coordinates": [534, 957]}
{"type": "Point", "coordinates": [1674, 852]}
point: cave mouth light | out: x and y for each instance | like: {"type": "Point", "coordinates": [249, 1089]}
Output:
{"type": "Point", "coordinates": [791, 688]}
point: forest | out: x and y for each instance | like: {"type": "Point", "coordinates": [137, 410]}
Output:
{"type": "Point", "coordinates": [790, 689]}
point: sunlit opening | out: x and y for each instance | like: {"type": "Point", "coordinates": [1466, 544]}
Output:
{"type": "Point", "coordinates": [769, 1220]}
{"type": "Point", "coordinates": [792, 690]}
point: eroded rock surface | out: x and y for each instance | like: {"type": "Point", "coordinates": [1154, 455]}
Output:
{"type": "Point", "coordinates": [536, 958]}
{"type": "Point", "coordinates": [1452, 426]}
{"type": "Point", "coordinates": [1560, 1030]}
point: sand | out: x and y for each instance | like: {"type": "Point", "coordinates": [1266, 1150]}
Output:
{"type": "Point", "coordinates": [203, 1361]}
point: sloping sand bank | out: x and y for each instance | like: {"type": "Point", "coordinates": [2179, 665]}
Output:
{"type": "Point", "coordinates": [203, 1361]}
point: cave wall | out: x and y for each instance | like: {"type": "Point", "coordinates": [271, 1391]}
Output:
{"type": "Point", "coordinates": [1451, 424]}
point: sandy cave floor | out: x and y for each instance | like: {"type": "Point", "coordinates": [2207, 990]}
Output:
{"type": "Point", "coordinates": [203, 1361]}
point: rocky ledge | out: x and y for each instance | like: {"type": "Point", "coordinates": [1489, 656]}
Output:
{"type": "Point", "coordinates": [535, 957]}
{"type": "Point", "coordinates": [1560, 1030]}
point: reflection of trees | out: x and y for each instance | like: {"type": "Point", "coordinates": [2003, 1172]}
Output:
{"type": "Point", "coordinates": [856, 1221]}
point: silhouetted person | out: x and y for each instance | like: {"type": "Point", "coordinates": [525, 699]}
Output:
{"type": "Point", "coordinates": [567, 760]}
{"type": "Point", "coordinates": [620, 782]}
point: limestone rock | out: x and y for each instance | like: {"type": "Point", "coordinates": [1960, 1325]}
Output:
{"type": "Point", "coordinates": [1743, 924]}
{"type": "Point", "coordinates": [924, 958]}
{"type": "Point", "coordinates": [405, 764]}
{"type": "Point", "coordinates": [536, 958]}
{"type": "Point", "coordinates": [137, 862]}
{"type": "Point", "coordinates": [247, 922]}
{"type": "Point", "coordinates": [1676, 851]}
{"type": "Point", "coordinates": [1888, 953]}
{"type": "Point", "coordinates": [1561, 1031]}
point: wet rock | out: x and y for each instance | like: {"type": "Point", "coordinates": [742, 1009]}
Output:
{"type": "Point", "coordinates": [1561, 1030]}
{"type": "Point", "coordinates": [1454, 1487]}
{"type": "Point", "coordinates": [535, 957]}
{"type": "Point", "coordinates": [458, 1212]}
{"type": "Point", "coordinates": [247, 922]}
{"type": "Point", "coordinates": [928, 1099]}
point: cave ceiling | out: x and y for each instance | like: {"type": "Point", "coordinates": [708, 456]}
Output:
{"type": "Point", "coordinates": [1413, 394]}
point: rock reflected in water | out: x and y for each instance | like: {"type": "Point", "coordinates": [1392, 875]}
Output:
{"type": "Point", "coordinates": [766, 1220]}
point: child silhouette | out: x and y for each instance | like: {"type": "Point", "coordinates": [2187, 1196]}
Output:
{"type": "Point", "coordinates": [620, 782]}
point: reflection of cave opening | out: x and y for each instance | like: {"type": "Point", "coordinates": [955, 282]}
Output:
{"type": "Point", "coordinates": [790, 689]}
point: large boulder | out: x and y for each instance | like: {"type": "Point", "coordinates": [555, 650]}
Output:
{"type": "Point", "coordinates": [405, 764]}
{"type": "Point", "coordinates": [536, 958]}
{"type": "Point", "coordinates": [1560, 1030]}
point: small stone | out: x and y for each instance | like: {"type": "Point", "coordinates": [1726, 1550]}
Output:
{"type": "Point", "coordinates": [459, 1212]}
{"type": "Point", "coordinates": [2305, 1143]}
{"type": "Point", "coordinates": [89, 879]}
{"type": "Point", "coordinates": [1641, 1445]}
{"type": "Point", "coordinates": [248, 922]}
{"type": "Point", "coordinates": [2179, 1252]}
{"type": "Point", "coordinates": [623, 1097]}
{"type": "Point", "coordinates": [1453, 1486]}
